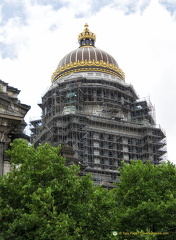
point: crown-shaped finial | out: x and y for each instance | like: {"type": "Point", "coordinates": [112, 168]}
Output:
{"type": "Point", "coordinates": [86, 38]}
{"type": "Point", "coordinates": [86, 27]}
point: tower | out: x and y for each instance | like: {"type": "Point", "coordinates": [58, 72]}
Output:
{"type": "Point", "coordinates": [91, 108]}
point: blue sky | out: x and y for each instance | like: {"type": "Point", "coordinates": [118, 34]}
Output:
{"type": "Point", "coordinates": [139, 34]}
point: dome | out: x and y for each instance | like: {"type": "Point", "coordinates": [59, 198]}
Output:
{"type": "Point", "coordinates": [87, 58]}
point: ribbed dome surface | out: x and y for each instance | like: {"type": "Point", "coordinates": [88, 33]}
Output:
{"type": "Point", "coordinates": [87, 58]}
{"type": "Point", "coordinates": [87, 54]}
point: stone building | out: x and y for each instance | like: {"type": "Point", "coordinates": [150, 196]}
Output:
{"type": "Point", "coordinates": [12, 124]}
{"type": "Point", "coordinates": [91, 108]}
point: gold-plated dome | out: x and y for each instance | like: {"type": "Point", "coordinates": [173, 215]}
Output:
{"type": "Point", "coordinates": [87, 58]}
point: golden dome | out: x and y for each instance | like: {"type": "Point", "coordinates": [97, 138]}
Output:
{"type": "Point", "coordinates": [87, 58]}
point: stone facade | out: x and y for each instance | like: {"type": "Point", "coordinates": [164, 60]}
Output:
{"type": "Point", "coordinates": [12, 124]}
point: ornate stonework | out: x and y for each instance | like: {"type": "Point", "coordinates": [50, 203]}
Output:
{"type": "Point", "coordinates": [12, 123]}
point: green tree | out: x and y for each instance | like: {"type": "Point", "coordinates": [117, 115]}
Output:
{"type": "Point", "coordinates": [41, 198]}
{"type": "Point", "coordinates": [146, 199]}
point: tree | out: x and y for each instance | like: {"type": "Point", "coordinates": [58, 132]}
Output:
{"type": "Point", "coordinates": [146, 199]}
{"type": "Point", "coordinates": [41, 198]}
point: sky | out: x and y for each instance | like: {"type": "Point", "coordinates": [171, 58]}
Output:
{"type": "Point", "coordinates": [140, 34]}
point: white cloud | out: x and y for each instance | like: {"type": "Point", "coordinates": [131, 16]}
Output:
{"type": "Point", "coordinates": [130, 7]}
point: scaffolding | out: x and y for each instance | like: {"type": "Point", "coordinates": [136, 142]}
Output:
{"type": "Point", "coordinates": [143, 111]}
{"type": "Point", "coordinates": [103, 120]}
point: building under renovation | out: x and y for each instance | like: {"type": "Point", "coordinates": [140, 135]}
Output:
{"type": "Point", "coordinates": [12, 113]}
{"type": "Point", "coordinates": [91, 108]}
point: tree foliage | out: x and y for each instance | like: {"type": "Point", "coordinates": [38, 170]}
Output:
{"type": "Point", "coordinates": [147, 199]}
{"type": "Point", "coordinates": [42, 198]}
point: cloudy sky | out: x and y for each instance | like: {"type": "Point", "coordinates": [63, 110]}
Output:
{"type": "Point", "coordinates": [139, 34]}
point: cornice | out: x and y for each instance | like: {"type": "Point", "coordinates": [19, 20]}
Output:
{"type": "Point", "coordinates": [89, 65]}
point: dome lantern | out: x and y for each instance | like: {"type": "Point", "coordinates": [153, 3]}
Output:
{"type": "Point", "coordinates": [86, 38]}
